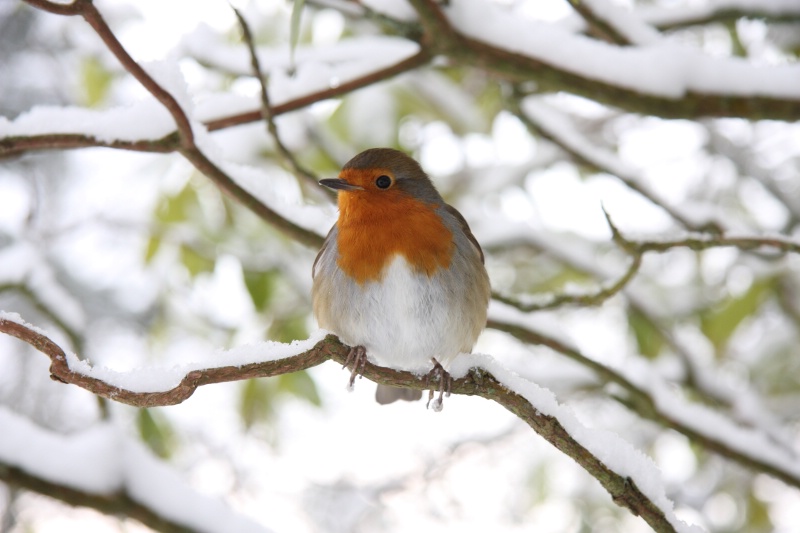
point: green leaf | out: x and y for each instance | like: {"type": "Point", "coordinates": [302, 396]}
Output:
{"type": "Point", "coordinates": [156, 432]}
{"type": "Point", "coordinates": [256, 402]}
{"type": "Point", "coordinates": [288, 329]}
{"type": "Point", "coordinates": [153, 244]}
{"type": "Point", "coordinates": [96, 81]}
{"type": "Point", "coordinates": [261, 286]}
{"type": "Point", "coordinates": [294, 30]}
{"type": "Point", "coordinates": [178, 208]}
{"type": "Point", "coordinates": [719, 324]}
{"type": "Point", "coordinates": [194, 262]}
{"type": "Point", "coordinates": [648, 339]}
{"type": "Point", "coordinates": [300, 385]}
{"type": "Point", "coordinates": [258, 396]}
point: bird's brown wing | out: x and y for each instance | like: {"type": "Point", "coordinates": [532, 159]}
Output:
{"type": "Point", "coordinates": [324, 247]}
{"type": "Point", "coordinates": [461, 220]}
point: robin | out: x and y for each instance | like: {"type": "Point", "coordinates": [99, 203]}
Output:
{"type": "Point", "coordinates": [400, 277]}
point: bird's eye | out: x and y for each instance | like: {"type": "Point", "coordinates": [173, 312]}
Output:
{"type": "Point", "coordinates": [383, 182]}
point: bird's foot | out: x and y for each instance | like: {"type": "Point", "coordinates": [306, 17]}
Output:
{"type": "Point", "coordinates": [358, 356]}
{"type": "Point", "coordinates": [445, 383]}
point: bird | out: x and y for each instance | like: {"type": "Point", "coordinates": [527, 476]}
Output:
{"type": "Point", "coordinates": [400, 277]}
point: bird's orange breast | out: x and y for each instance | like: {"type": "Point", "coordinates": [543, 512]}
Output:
{"type": "Point", "coordinates": [374, 227]}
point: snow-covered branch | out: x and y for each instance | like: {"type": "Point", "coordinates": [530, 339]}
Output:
{"type": "Point", "coordinates": [648, 395]}
{"type": "Point", "coordinates": [663, 80]}
{"type": "Point", "coordinates": [719, 11]}
{"type": "Point", "coordinates": [105, 469]}
{"type": "Point", "coordinates": [620, 475]}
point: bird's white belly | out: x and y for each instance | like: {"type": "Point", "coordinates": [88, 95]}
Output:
{"type": "Point", "coordinates": [406, 319]}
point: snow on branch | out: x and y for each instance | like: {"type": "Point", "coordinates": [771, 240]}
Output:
{"type": "Point", "coordinates": [718, 11]}
{"type": "Point", "coordinates": [549, 123]}
{"type": "Point", "coordinates": [627, 474]}
{"type": "Point", "coordinates": [190, 133]}
{"type": "Point", "coordinates": [651, 397]}
{"type": "Point", "coordinates": [665, 79]}
{"type": "Point", "coordinates": [619, 25]}
{"type": "Point", "coordinates": [637, 249]}
{"type": "Point", "coordinates": [105, 469]}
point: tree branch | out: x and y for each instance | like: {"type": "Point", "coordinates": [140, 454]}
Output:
{"type": "Point", "coordinates": [599, 23]}
{"type": "Point", "coordinates": [417, 60]}
{"type": "Point", "coordinates": [91, 15]}
{"type": "Point", "coordinates": [442, 39]}
{"type": "Point", "coordinates": [110, 504]}
{"type": "Point", "coordinates": [583, 152]}
{"type": "Point", "coordinates": [643, 403]}
{"type": "Point", "coordinates": [584, 300]}
{"type": "Point", "coordinates": [477, 382]}
{"type": "Point", "coordinates": [303, 175]}
{"type": "Point", "coordinates": [669, 19]}
{"type": "Point", "coordinates": [18, 145]}
{"type": "Point", "coordinates": [185, 137]}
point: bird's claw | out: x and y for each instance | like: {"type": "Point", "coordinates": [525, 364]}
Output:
{"type": "Point", "coordinates": [358, 356]}
{"type": "Point", "coordinates": [445, 383]}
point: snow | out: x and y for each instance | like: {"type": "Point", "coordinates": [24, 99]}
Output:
{"type": "Point", "coordinates": [665, 69]}
{"type": "Point", "coordinates": [144, 119]}
{"type": "Point", "coordinates": [318, 67]}
{"type": "Point", "coordinates": [14, 317]}
{"type": "Point", "coordinates": [23, 265]}
{"type": "Point", "coordinates": [102, 460]}
{"type": "Point", "coordinates": [655, 14]}
{"type": "Point", "coordinates": [756, 443]}
{"type": "Point", "coordinates": [624, 21]}
{"type": "Point", "coordinates": [616, 453]}
{"type": "Point", "coordinates": [399, 9]}
{"type": "Point", "coordinates": [155, 379]}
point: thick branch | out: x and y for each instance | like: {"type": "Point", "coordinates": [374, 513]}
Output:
{"type": "Point", "coordinates": [478, 382]}
{"type": "Point", "coordinates": [443, 39]}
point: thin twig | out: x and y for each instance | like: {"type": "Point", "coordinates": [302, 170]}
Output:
{"type": "Point", "coordinates": [75, 338]}
{"type": "Point", "coordinates": [599, 23]}
{"type": "Point", "coordinates": [583, 300]}
{"type": "Point", "coordinates": [303, 174]}
{"type": "Point", "coordinates": [186, 145]}
{"type": "Point", "coordinates": [577, 152]}
{"type": "Point", "coordinates": [411, 63]}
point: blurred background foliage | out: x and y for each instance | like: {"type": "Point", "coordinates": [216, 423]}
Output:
{"type": "Point", "coordinates": [136, 259]}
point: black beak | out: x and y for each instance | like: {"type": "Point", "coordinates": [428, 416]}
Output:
{"type": "Point", "coordinates": [340, 185]}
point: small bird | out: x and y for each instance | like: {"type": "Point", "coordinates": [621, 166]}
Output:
{"type": "Point", "coordinates": [400, 277]}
